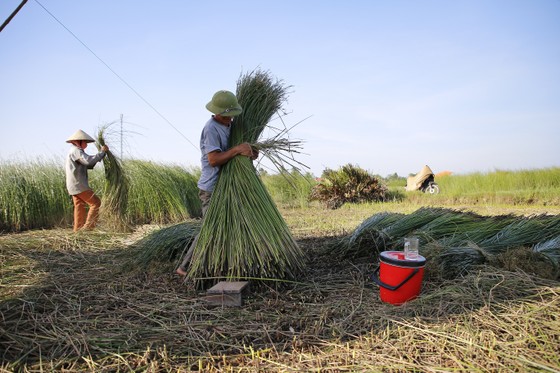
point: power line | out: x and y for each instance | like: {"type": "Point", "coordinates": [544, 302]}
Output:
{"type": "Point", "coordinates": [117, 75]}
{"type": "Point", "coordinates": [12, 15]}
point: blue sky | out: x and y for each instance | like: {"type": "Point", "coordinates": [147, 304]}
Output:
{"type": "Point", "coordinates": [466, 86]}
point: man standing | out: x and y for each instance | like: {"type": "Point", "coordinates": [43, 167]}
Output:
{"type": "Point", "coordinates": [215, 152]}
{"type": "Point", "coordinates": [77, 165]}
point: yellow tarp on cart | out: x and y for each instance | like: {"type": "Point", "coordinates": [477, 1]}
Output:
{"type": "Point", "coordinates": [415, 182]}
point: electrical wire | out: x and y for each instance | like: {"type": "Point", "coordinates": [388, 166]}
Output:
{"type": "Point", "coordinates": [117, 75]}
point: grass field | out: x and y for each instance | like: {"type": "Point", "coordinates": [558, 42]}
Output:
{"type": "Point", "coordinates": [82, 303]}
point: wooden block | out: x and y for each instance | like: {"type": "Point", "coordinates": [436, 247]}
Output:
{"type": "Point", "coordinates": [227, 293]}
{"type": "Point", "coordinates": [229, 287]}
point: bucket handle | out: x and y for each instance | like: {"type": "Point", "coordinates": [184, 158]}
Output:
{"type": "Point", "coordinates": [378, 281]}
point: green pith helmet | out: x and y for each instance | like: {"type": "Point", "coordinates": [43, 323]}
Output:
{"type": "Point", "coordinates": [224, 103]}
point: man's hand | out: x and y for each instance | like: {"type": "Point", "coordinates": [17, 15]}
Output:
{"type": "Point", "coordinates": [245, 149]}
{"type": "Point", "coordinates": [255, 154]}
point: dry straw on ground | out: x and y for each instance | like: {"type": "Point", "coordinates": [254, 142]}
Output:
{"type": "Point", "coordinates": [68, 304]}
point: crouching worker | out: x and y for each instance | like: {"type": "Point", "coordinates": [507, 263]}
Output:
{"type": "Point", "coordinates": [77, 165]}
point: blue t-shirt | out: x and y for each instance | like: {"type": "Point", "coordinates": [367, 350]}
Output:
{"type": "Point", "coordinates": [215, 136]}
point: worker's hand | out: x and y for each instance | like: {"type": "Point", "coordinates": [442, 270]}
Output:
{"type": "Point", "coordinates": [105, 148]}
{"type": "Point", "coordinates": [246, 150]}
{"type": "Point", "coordinates": [255, 154]}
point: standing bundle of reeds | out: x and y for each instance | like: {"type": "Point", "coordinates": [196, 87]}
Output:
{"type": "Point", "coordinates": [115, 190]}
{"type": "Point", "coordinates": [243, 234]}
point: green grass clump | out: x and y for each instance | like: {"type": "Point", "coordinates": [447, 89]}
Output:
{"type": "Point", "coordinates": [33, 195]}
{"type": "Point", "coordinates": [525, 231]}
{"type": "Point", "coordinates": [161, 194]}
{"type": "Point", "coordinates": [455, 242]}
{"type": "Point", "coordinates": [290, 189]}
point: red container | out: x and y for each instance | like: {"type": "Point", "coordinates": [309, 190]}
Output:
{"type": "Point", "coordinates": [399, 279]}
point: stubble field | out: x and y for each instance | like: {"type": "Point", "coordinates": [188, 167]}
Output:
{"type": "Point", "coordinates": [74, 302]}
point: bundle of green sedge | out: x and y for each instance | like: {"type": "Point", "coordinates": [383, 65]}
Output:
{"type": "Point", "coordinates": [165, 245]}
{"type": "Point", "coordinates": [243, 234]}
{"type": "Point", "coordinates": [115, 190]}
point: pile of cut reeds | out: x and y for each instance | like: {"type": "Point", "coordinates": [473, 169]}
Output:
{"type": "Point", "coordinates": [456, 241]}
{"type": "Point", "coordinates": [243, 235]}
{"type": "Point", "coordinates": [165, 245]}
{"type": "Point", "coordinates": [368, 237]}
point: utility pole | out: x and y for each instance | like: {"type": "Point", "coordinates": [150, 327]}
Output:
{"type": "Point", "coordinates": [12, 15]}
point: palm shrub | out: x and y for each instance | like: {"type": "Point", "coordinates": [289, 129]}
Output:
{"type": "Point", "coordinates": [243, 235]}
{"type": "Point", "coordinates": [348, 184]}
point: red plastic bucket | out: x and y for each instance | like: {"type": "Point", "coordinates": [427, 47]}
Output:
{"type": "Point", "coordinates": [399, 279]}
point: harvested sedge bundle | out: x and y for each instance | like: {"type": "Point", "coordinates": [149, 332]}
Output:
{"type": "Point", "coordinates": [452, 223]}
{"type": "Point", "coordinates": [456, 261]}
{"type": "Point", "coordinates": [394, 233]}
{"type": "Point", "coordinates": [243, 234]}
{"type": "Point", "coordinates": [368, 237]}
{"type": "Point", "coordinates": [164, 245]}
{"type": "Point", "coordinates": [551, 249]}
{"type": "Point", "coordinates": [115, 190]}
{"type": "Point", "coordinates": [478, 232]}
{"type": "Point", "coordinates": [525, 231]}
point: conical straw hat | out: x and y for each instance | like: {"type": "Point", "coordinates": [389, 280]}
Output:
{"type": "Point", "coordinates": [80, 135]}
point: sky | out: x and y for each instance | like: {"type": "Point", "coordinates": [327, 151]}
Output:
{"type": "Point", "coordinates": [388, 86]}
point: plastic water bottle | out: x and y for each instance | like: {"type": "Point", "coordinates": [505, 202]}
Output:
{"type": "Point", "coordinates": [411, 248]}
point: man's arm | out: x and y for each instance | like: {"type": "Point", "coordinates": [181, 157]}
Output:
{"type": "Point", "coordinates": [218, 158]}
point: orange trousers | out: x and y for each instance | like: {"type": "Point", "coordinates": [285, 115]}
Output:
{"type": "Point", "coordinates": [83, 218]}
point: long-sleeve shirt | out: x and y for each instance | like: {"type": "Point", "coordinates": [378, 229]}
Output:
{"type": "Point", "coordinates": [77, 165]}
